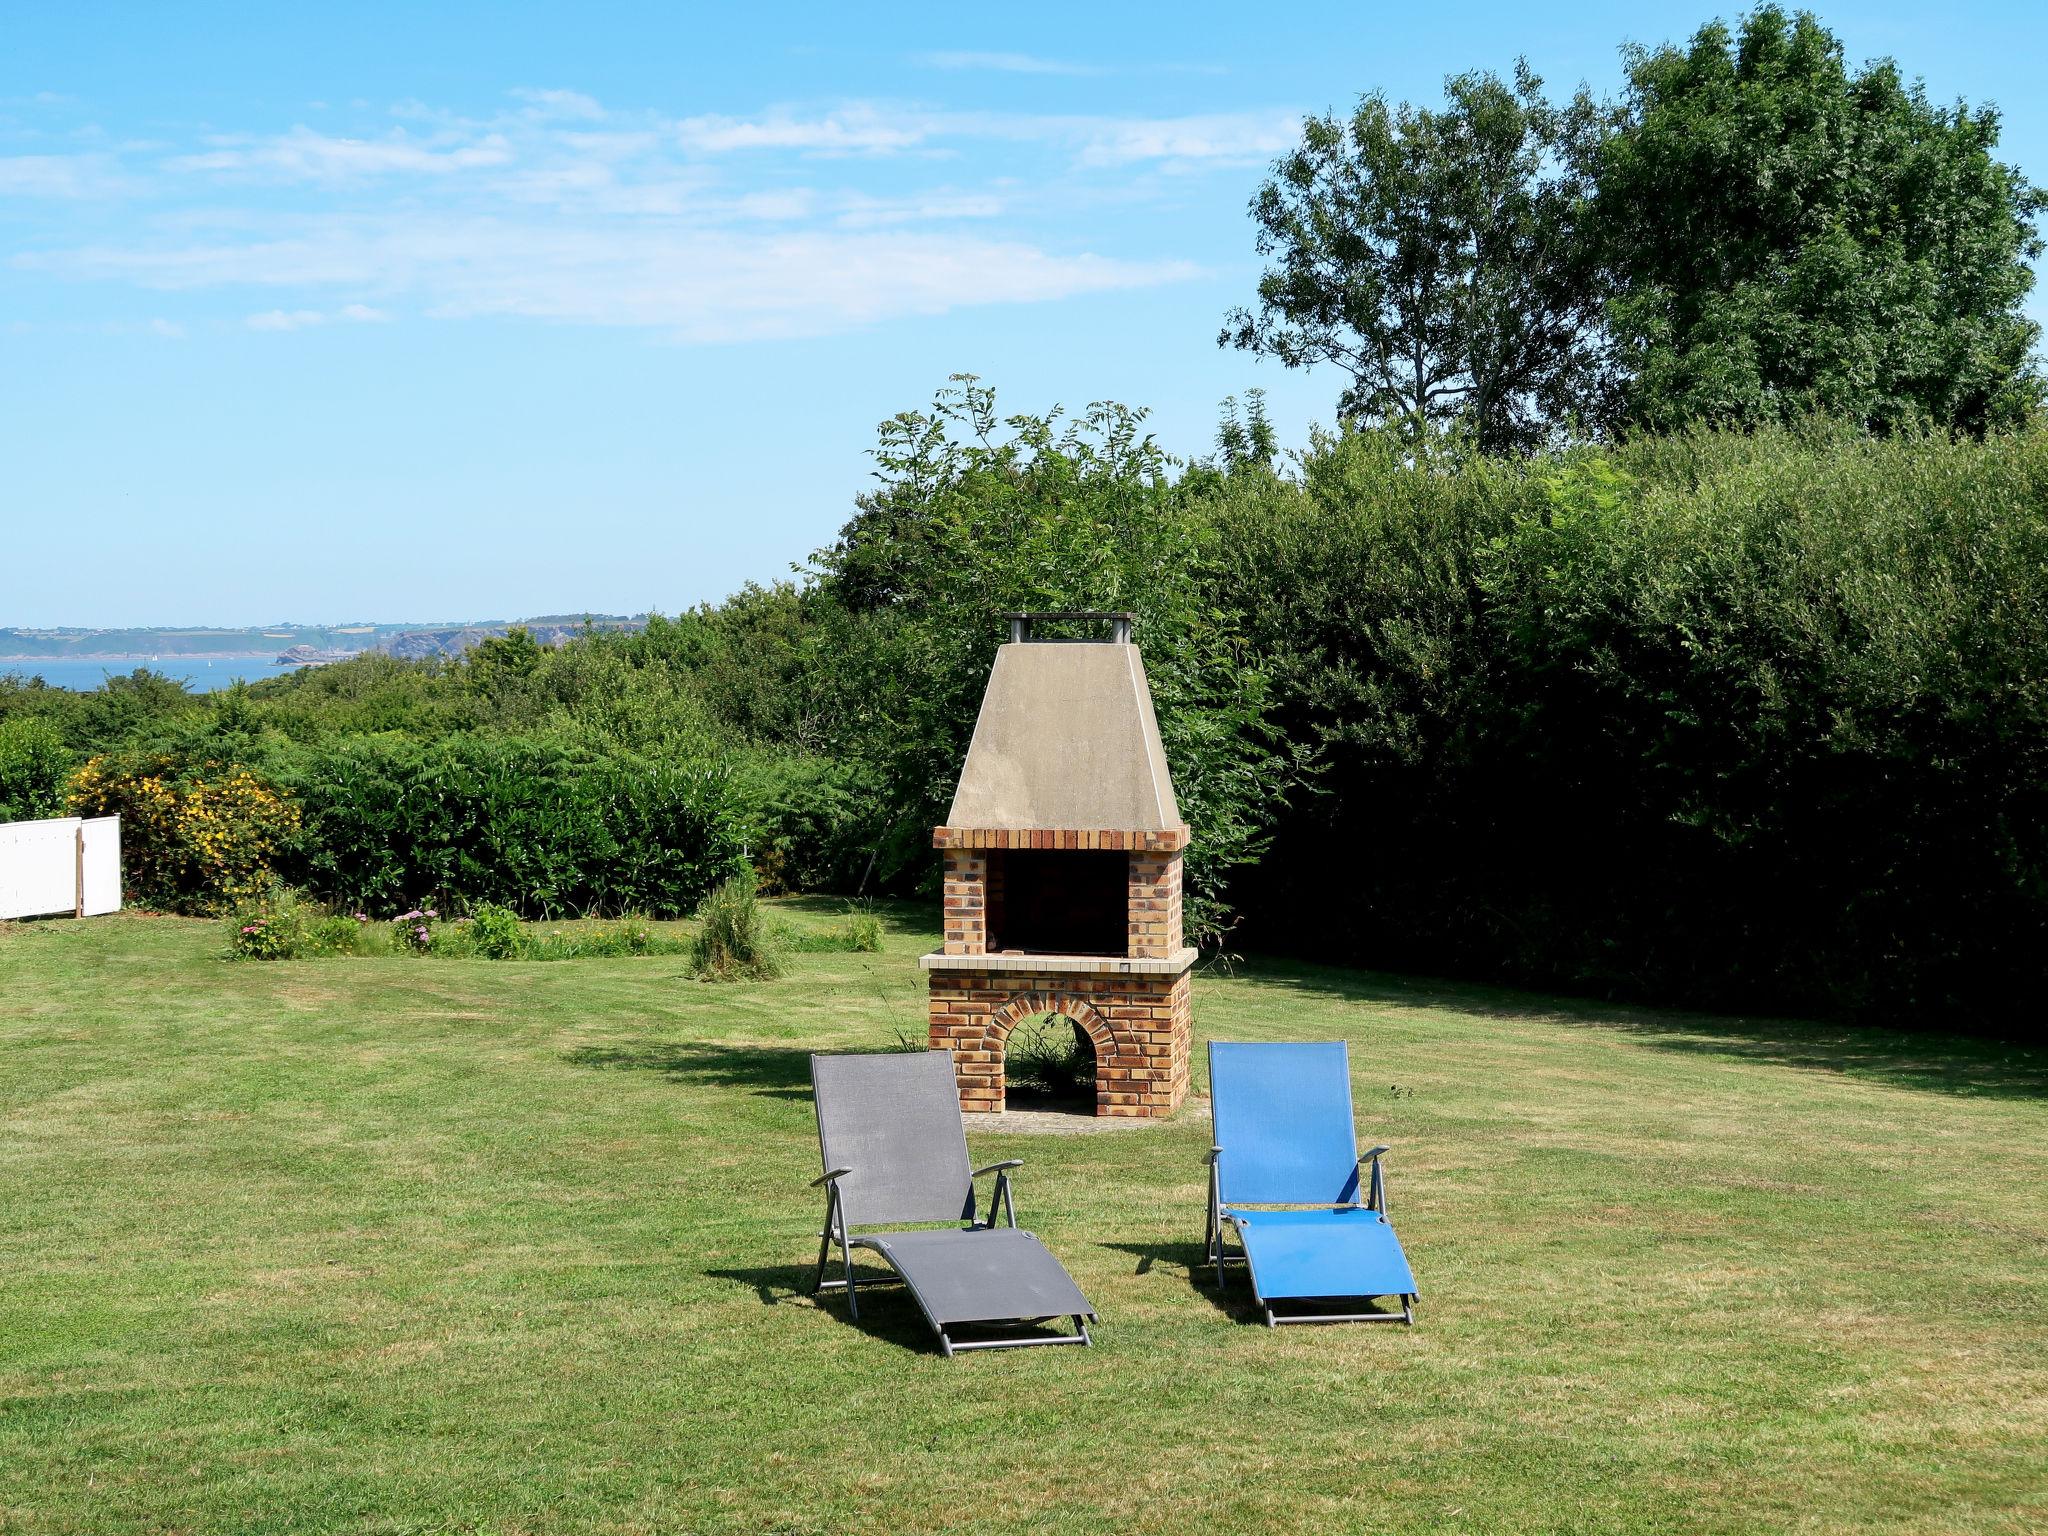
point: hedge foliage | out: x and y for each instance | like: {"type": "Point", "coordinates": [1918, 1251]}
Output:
{"type": "Point", "coordinates": [1743, 721]}
{"type": "Point", "coordinates": [529, 824]}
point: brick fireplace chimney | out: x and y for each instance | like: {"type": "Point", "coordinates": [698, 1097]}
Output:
{"type": "Point", "coordinates": [1063, 873]}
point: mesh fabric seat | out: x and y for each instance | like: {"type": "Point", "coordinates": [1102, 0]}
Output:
{"type": "Point", "coordinates": [1284, 1177]}
{"type": "Point", "coordinates": [895, 1154]}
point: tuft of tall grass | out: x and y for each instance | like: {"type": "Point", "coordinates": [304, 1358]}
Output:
{"type": "Point", "coordinates": [734, 939]}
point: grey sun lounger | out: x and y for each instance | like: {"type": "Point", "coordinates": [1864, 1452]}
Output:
{"type": "Point", "coordinates": [895, 1154]}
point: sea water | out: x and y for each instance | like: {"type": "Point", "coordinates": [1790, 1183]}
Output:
{"type": "Point", "coordinates": [201, 674]}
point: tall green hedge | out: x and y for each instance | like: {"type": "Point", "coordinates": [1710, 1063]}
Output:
{"type": "Point", "coordinates": [528, 823]}
{"type": "Point", "coordinates": [1743, 721]}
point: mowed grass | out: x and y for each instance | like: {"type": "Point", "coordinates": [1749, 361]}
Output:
{"type": "Point", "coordinates": [430, 1246]}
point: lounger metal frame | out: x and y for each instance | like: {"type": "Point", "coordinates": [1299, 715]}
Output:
{"type": "Point", "coordinates": [836, 1231]}
{"type": "Point", "coordinates": [1215, 1253]}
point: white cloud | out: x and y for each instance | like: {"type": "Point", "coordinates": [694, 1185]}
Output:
{"type": "Point", "coordinates": [1006, 63]}
{"type": "Point", "coordinates": [1095, 141]}
{"type": "Point", "coordinates": [285, 319]}
{"type": "Point", "coordinates": [169, 330]}
{"type": "Point", "coordinates": [1218, 136]}
{"type": "Point", "coordinates": [303, 155]}
{"type": "Point", "coordinates": [695, 285]}
{"type": "Point", "coordinates": [303, 319]}
{"type": "Point", "coordinates": [857, 211]}
{"type": "Point", "coordinates": [854, 130]}
{"type": "Point", "coordinates": [61, 176]}
{"type": "Point", "coordinates": [559, 104]}
{"type": "Point", "coordinates": [704, 228]}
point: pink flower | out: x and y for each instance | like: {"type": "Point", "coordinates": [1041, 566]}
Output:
{"type": "Point", "coordinates": [420, 934]}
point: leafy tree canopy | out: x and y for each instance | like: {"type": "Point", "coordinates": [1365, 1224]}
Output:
{"type": "Point", "coordinates": [1436, 257]}
{"type": "Point", "coordinates": [1787, 237]}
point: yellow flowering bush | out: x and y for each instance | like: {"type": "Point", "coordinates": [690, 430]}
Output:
{"type": "Point", "coordinates": [194, 838]}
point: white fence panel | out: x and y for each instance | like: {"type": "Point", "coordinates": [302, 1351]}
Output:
{"type": "Point", "coordinates": [39, 867]}
{"type": "Point", "coordinates": [100, 865]}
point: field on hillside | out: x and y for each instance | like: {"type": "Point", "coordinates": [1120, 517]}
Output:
{"type": "Point", "coordinates": [418, 1246]}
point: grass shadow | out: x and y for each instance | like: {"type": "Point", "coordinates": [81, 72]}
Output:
{"type": "Point", "coordinates": [1234, 1301]}
{"type": "Point", "coordinates": [773, 1071]}
{"type": "Point", "coordinates": [886, 1309]}
{"type": "Point", "coordinates": [776, 1072]}
{"type": "Point", "coordinates": [1962, 1065]}
{"type": "Point", "coordinates": [898, 916]}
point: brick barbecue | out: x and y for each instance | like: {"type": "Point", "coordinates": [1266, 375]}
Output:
{"type": "Point", "coordinates": [1063, 873]}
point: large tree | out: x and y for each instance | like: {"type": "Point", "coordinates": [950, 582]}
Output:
{"type": "Point", "coordinates": [1435, 256]}
{"type": "Point", "coordinates": [1786, 237]}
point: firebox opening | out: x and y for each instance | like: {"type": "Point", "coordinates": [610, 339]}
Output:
{"type": "Point", "coordinates": [1064, 902]}
{"type": "Point", "coordinates": [1049, 1063]}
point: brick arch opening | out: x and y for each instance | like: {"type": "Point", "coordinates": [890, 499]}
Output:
{"type": "Point", "coordinates": [987, 1071]}
{"type": "Point", "coordinates": [1066, 1005]}
{"type": "Point", "coordinates": [1136, 1024]}
{"type": "Point", "coordinates": [1029, 1005]}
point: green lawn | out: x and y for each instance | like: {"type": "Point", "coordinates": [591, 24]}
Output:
{"type": "Point", "coordinates": [432, 1246]}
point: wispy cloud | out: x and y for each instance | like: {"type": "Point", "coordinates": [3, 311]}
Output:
{"type": "Point", "coordinates": [854, 130]}
{"type": "Point", "coordinates": [692, 285]}
{"type": "Point", "coordinates": [304, 155]}
{"type": "Point", "coordinates": [1216, 136]}
{"type": "Point", "coordinates": [1093, 140]}
{"type": "Point", "coordinates": [62, 176]}
{"type": "Point", "coordinates": [302, 319]}
{"type": "Point", "coordinates": [1005, 63]}
{"type": "Point", "coordinates": [559, 104]}
{"type": "Point", "coordinates": [798, 220]}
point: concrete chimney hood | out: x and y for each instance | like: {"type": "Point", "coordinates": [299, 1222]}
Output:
{"type": "Point", "coordinates": [1066, 738]}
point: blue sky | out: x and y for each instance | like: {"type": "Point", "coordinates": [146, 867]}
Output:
{"type": "Point", "coordinates": [458, 311]}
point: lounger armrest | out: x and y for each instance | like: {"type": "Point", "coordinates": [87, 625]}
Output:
{"type": "Point", "coordinates": [827, 1178]}
{"type": "Point", "coordinates": [1214, 1154]}
{"type": "Point", "coordinates": [1373, 1156]}
{"type": "Point", "coordinates": [1008, 1162]}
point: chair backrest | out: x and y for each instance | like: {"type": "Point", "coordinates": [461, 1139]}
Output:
{"type": "Point", "coordinates": [1283, 1120]}
{"type": "Point", "coordinates": [894, 1119]}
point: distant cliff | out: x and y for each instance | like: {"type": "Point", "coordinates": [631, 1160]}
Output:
{"type": "Point", "coordinates": [425, 644]}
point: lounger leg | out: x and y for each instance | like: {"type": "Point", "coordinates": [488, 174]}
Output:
{"type": "Point", "coordinates": [1408, 1309]}
{"type": "Point", "coordinates": [846, 1256]}
{"type": "Point", "coordinates": [945, 1343]}
{"type": "Point", "coordinates": [824, 1254]}
{"type": "Point", "coordinates": [1081, 1327]}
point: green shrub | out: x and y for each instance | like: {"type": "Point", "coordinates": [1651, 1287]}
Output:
{"type": "Point", "coordinates": [814, 817]}
{"type": "Point", "coordinates": [413, 931]}
{"type": "Point", "coordinates": [33, 764]}
{"type": "Point", "coordinates": [345, 935]}
{"type": "Point", "coordinates": [535, 825]}
{"type": "Point", "coordinates": [495, 932]}
{"type": "Point", "coordinates": [861, 933]}
{"type": "Point", "coordinates": [734, 940]}
{"type": "Point", "coordinates": [196, 836]}
{"type": "Point", "coordinates": [274, 926]}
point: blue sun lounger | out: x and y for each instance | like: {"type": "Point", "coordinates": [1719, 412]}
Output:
{"type": "Point", "coordinates": [1284, 1138]}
